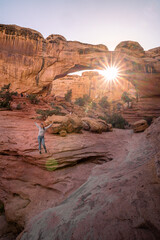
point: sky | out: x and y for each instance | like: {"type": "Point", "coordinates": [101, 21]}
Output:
{"type": "Point", "coordinates": [105, 22]}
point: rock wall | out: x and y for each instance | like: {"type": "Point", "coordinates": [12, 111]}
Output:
{"type": "Point", "coordinates": [92, 84]}
{"type": "Point", "coordinates": [31, 63]}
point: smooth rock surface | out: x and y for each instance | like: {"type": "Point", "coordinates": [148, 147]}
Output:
{"type": "Point", "coordinates": [120, 199]}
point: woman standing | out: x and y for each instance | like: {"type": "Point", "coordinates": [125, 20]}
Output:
{"type": "Point", "coordinates": [42, 130]}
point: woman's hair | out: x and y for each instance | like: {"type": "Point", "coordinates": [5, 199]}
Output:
{"type": "Point", "coordinates": [42, 126]}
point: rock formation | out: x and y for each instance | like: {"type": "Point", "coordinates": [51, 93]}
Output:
{"type": "Point", "coordinates": [120, 199]}
{"type": "Point", "coordinates": [31, 63]}
{"type": "Point", "coordinates": [93, 84]}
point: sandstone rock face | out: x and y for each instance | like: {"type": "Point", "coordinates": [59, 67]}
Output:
{"type": "Point", "coordinates": [140, 126]}
{"type": "Point", "coordinates": [93, 84]}
{"type": "Point", "coordinates": [31, 63]}
{"type": "Point", "coordinates": [119, 200]}
{"type": "Point", "coordinates": [131, 48]}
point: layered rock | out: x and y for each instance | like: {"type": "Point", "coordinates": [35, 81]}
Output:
{"type": "Point", "coordinates": [31, 63]}
{"type": "Point", "coordinates": [93, 84]}
{"type": "Point", "coordinates": [140, 126]}
{"type": "Point", "coordinates": [120, 200]}
{"type": "Point", "coordinates": [29, 182]}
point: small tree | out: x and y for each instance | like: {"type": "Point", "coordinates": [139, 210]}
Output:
{"type": "Point", "coordinates": [6, 96]}
{"type": "Point", "coordinates": [80, 101]}
{"type": "Point", "coordinates": [86, 98]}
{"type": "Point", "coordinates": [68, 95]}
{"type": "Point", "coordinates": [104, 102]}
{"type": "Point", "coordinates": [125, 98]}
{"type": "Point", "coordinates": [94, 105]}
{"type": "Point", "coordinates": [33, 98]}
{"type": "Point", "coordinates": [116, 120]}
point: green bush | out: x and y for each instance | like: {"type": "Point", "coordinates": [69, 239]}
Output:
{"type": "Point", "coordinates": [104, 102]}
{"type": "Point", "coordinates": [87, 98]}
{"type": "Point", "coordinates": [68, 95]}
{"type": "Point", "coordinates": [94, 105]}
{"type": "Point", "coordinates": [149, 119]}
{"type": "Point", "coordinates": [33, 98]}
{"type": "Point", "coordinates": [116, 120]}
{"type": "Point", "coordinates": [6, 96]}
{"type": "Point", "coordinates": [80, 101]}
{"type": "Point", "coordinates": [19, 107]}
{"type": "Point", "coordinates": [45, 113]}
{"type": "Point", "coordinates": [125, 97]}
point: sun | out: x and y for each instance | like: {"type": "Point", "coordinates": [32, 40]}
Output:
{"type": "Point", "coordinates": [110, 73]}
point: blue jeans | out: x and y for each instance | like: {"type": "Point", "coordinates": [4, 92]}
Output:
{"type": "Point", "coordinates": [41, 141]}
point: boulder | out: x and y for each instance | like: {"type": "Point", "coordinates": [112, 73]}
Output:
{"type": "Point", "coordinates": [63, 133]}
{"type": "Point", "coordinates": [69, 123]}
{"type": "Point", "coordinates": [94, 125]}
{"type": "Point", "coordinates": [140, 126]}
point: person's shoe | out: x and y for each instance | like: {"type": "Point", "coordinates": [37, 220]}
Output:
{"type": "Point", "coordinates": [40, 152]}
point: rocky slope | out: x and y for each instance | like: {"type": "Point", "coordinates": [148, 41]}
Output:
{"type": "Point", "coordinates": [29, 183]}
{"type": "Point", "coordinates": [120, 199]}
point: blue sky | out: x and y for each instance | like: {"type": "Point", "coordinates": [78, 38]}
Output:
{"type": "Point", "coordinates": [91, 21]}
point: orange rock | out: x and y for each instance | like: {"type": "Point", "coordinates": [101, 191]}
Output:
{"type": "Point", "coordinates": [140, 126]}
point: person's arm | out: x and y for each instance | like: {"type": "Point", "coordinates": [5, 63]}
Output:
{"type": "Point", "coordinates": [37, 125]}
{"type": "Point", "coordinates": [49, 126]}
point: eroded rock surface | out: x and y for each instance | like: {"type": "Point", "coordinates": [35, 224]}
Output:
{"type": "Point", "coordinates": [29, 183]}
{"type": "Point", "coordinates": [120, 199]}
{"type": "Point", "coordinates": [31, 63]}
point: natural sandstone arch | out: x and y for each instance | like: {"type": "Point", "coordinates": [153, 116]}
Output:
{"type": "Point", "coordinates": [30, 63]}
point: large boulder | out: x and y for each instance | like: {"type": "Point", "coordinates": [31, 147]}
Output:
{"type": "Point", "coordinates": [140, 126]}
{"type": "Point", "coordinates": [69, 123]}
{"type": "Point", "coordinates": [95, 125]}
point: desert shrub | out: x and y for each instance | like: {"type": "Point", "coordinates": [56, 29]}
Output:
{"type": "Point", "coordinates": [94, 105]}
{"type": "Point", "coordinates": [19, 107]}
{"type": "Point", "coordinates": [116, 120]}
{"type": "Point", "coordinates": [103, 102]}
{"type": "Point", "coordinates": [149, 119]}
{"type": "Point", "coordinates": [52, 104]}
{"type": "Point", "coordinates": [6, 87]}
{"type": "Point", "coordinates": [68, 95]}
{"type": "Point", "coordinates": [6, 96]}
{"type": "Point", "coordinates": [45, 113]}
{"type": "Point", "coordinates": [33, 98]}
{"type": "Point", "coordinates": [80, 101]}
{"type": "Point", "coordinates": [87, 98]}
{"type": "Point", "coordinates": [125, 98]}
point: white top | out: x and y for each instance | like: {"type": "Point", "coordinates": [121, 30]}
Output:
{"type": "Point", "coordinates": [42, 130]}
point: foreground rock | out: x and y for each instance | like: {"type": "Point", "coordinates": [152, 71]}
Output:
{"type": "Point", "coordinates": [29, 183]}
{"type": "Point", "coordinates": [120, 200]}
{"type": "Point", "coordinates": [140, 126]}
{"type": "Point", "coordinates": [96, 125]}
